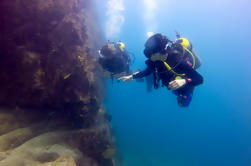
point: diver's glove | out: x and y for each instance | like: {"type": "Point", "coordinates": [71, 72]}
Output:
{"type": "Point", "coordinates": [126, 78]}
{"type": "Point", "coordinates": [176, 84]}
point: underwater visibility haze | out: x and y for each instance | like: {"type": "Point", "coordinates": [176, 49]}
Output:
{"type": "Point", "coordinates": [150, 128]}
{"type": "Point", "coordinates": [57, 108]}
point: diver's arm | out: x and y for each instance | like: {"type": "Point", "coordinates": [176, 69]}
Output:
{"type": "Point", "coordinates": [146, 72]}
{"type": "Point", "coordinates": [193, 78]}
{"type": "Point", "coordinates": [143, 73]}
{"type": "Point", "coordinates": [136, 75]}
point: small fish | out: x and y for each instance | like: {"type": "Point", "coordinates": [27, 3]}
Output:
{"type": "Point", "coordinates": [67, 76]}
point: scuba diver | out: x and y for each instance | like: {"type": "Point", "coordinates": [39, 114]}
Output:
{"type": "Point", "coordinates": [114, 59]}
{"type": "Point", "coordinates": [172, 63]}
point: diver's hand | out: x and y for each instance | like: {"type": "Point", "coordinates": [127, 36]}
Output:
{"type": "Point", "coordinates": [126, 78]}
{"type": "Point", "coordinates": [176, 84]}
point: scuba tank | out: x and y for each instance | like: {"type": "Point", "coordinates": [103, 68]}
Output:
{"type": "Point", "coordinates": [190, 55]}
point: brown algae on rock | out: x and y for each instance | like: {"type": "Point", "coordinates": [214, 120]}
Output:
{"type": "Point", "coordinates": [51, 93]}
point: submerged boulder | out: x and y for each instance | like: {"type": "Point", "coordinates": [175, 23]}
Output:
{"type": "Point", "coordinates": [50, 90]}
{"type": "Point", "coordinates": [48, 140]}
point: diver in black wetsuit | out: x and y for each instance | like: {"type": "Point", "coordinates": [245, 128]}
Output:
{"type": "Point", "coordinates": [115, 59]}
{"type": "Point", "coordinates": [169, 66]}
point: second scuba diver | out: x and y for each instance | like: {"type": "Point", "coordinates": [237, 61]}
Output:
{"type": "Point", "coordinates": [173, 64]}
{"type": "Point", "coordinates": [114, 59]}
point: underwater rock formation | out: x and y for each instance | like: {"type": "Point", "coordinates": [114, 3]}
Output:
{"type": "Point", "coordinates": [50, 91]}
{"type": "Point", "coordinates": [44, 139]}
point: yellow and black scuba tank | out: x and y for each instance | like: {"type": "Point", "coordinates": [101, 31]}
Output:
{"type": "Point", "coordinates": [189, 54]}
{"type": "Point", "coordinates": [121, 46]}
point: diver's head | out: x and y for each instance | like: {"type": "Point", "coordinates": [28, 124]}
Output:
{"type": "Point", "coordinates": [108, 50]}
{"type": "Point", "coordinates": [155, 44]}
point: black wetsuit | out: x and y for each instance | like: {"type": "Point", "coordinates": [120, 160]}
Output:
{"type": "Point", "coordinates": [180, 66]}
{"type": "Point", "coordinates": [115, 62]}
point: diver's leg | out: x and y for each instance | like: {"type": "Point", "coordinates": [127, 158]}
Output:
{"type": "Point", "coordinates": [184, 98]}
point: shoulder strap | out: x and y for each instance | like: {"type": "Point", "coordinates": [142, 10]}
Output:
{"type": "Point", "coordinates": [192, 56]}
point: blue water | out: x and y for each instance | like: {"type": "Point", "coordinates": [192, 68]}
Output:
{"type": "Point", "coordinates": [215, 130]}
